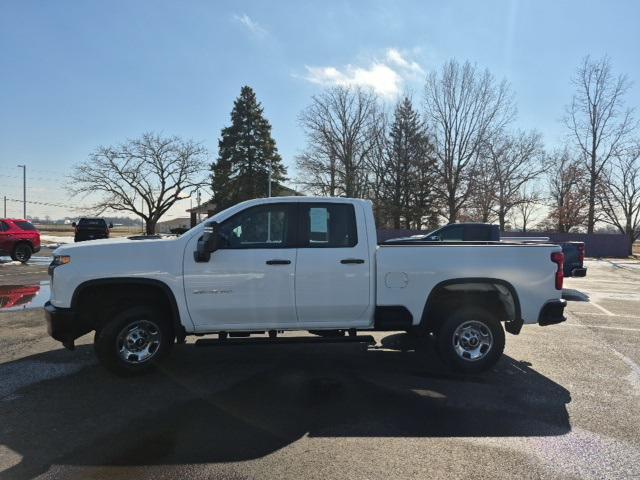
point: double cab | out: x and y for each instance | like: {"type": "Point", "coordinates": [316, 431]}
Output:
{"type": "Point", "coordinates": [299, 264]}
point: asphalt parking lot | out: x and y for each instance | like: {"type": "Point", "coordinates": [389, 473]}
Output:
{"type": "Point", "coordinates": [564, 402]}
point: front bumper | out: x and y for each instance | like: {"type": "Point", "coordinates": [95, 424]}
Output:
{"type": "Point", "coordinates": [552, 312]}
{"type": "Point", "coordinates": [63, 325]}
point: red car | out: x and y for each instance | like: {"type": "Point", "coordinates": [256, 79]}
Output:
{"type": "Point", "coordinates": [18, 238]}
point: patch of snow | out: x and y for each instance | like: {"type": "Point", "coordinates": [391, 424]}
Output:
{"type": "Point", "coordinates": [55, 240]}
{"type": "Point", "coordinates": [8, 261]}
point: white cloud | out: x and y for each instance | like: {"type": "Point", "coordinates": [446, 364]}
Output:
{"type": "Point", "coordinates": [386, 77]}
{"type": "Point", "coordinates": [379, 77]}
{"type": "Point", "coordinates": [250, 24]}
{"type": "Point", "coordinates": [396, 58]}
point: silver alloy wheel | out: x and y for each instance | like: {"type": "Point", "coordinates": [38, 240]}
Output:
{"type": "Point", "coordinates": [472, 340]}
{"type": "Point", "coordinates": [139, 341]}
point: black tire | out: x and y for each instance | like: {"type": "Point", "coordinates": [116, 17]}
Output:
{"type": "Point", "coordinates": [21, 253]}
{"type": "Point", "coordinates": [110, 341]}
{"type": "Point", "coordinates": [465, 335]}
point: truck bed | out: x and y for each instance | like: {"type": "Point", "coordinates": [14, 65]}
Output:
{"type": "Point", "coordinates": [406, 272]}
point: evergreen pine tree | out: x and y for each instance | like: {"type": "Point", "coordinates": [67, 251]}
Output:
{"type": "Point", "coordinates": [409, 195]}
{"type": "Point", "coordinates": [246, 152]}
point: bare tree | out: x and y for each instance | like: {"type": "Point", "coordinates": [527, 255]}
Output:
{"type": "Point", "coordinates": [515, 161]}
{"type": "Point", "coordinates": [341, 126]}
{"type": "Point", "coordinates": [568, 189]}
{"type": "Point", "coordinates": [144, 176]}
{"type": "Point", "coordinates": [465, 107]}
{"type": "Point", "coordinates": [620, 199]}
{"type": "Point", "coordinates": [376, 172]}
{"type": "Point", "coordinates": [483, 194]}
{"type": "Point", "coordinates": [530, 201]}
{"type": "Point", "coordinates": [597, 121]}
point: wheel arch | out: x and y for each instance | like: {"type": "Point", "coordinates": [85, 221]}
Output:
{"type": "Point", "coordinates": [151, 285]}
{"type": "Point", "coordinates": [22, 241]}
{"type": "Point", "coordinates": [446, 290]}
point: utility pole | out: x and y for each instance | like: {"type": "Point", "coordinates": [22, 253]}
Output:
{"type": "Point", "coordinates": [5, 206]}
{"type": "Point", "coordinates": [24, 190]}
{"type": "Point", "coordinates": [198, 211]}
{"type": "Point", "coordinates": [269, 186]}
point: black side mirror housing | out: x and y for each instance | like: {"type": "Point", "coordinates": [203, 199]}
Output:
{"type": "Point", "coordinates": [207, 244]}
{"type": "Point", "coordinates": [74, 224]}
{"type": "Point", "coordinates": [110, 225]}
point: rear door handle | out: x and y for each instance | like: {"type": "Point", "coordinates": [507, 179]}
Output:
{"type": "Point", "coordinates": [352, 260]}
{"type": "Point", "coordinates": [278, 262]}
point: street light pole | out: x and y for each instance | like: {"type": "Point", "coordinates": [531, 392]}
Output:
{"type": "Point", "coordinates": [24, 190]}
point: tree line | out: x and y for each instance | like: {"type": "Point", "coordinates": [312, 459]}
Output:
{"type": "Point", "coordinates": [455, 156]}
{"type": "Point", "coordinates": [450, 155]}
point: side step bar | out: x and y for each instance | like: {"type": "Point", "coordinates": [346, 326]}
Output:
{"type": "Point", "coordinates": [214, 342]}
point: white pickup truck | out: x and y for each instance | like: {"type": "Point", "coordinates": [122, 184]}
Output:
{"type": "Point", "coordinates": [298, 263]}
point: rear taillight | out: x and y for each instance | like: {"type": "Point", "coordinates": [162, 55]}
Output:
{"type": "Point", "coordinates": [558, 259]}
{"type": "Point", "coordinates": [581, 252]}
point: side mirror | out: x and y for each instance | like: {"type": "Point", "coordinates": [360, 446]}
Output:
{"type": "Point", "coordinates": [110, 225]}
{"type": "Point", "coordinates": [73, 224]}
{"type": "Point", "coordinates": [207, 244]}
{"type": "Point", "coordinates": [435, 238]}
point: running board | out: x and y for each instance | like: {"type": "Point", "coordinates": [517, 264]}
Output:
{"type": "Point", "coordinates": [214, 342]}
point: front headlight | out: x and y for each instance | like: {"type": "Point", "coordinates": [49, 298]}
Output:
{"type": "Point", "coordinates": [57, 261]}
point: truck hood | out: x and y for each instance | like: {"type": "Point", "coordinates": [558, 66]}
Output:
{"type": "Point", "coordinates": [133, 242]}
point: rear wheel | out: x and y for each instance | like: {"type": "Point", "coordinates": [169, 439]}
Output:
{"type": "Point", "coordinates": [471, 340]}
{"type": "Point", "coordinates": [134, 341]}
{"type": "Point", "coordinates": [21, 253]}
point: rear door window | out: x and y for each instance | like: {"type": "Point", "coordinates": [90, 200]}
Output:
{"type": "Point", "coordinates": [328, 226]}
{"type": "Point", "coordinates": [27, 226]}
{"type": "Point", "coordinates": [477, 233]}
{"type": "Point", "coordinates": [454, 233]}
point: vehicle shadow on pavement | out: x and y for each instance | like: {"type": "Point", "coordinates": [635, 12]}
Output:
{"type": "Point", "coordinates": [232, 404]}
{"type": "Point", "coordinates": [573, 295]}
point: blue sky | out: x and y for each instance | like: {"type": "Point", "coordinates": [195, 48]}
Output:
{"type": "Point", "coordinates": [74, 75]}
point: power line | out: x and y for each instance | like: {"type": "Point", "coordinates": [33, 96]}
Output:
{"type": "Point", "coordinates": [30, 177]}
{"type": "Point", "coordinates": [48, 204]}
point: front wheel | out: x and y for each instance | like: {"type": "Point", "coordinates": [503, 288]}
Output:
{"type": "Point", "coordinates": [134, 341]}
{"type": "Point", "coordinates": [21, 253]}
{"type": "Point", "coordinates": [471, 340]}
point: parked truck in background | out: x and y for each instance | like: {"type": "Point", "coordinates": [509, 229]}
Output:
{"type": "Point", "coordinates": [486, 232]}
{"type": "Point", "coordinates": [298, 263]}
{"type": "Point", "coordinates": [90, 229]}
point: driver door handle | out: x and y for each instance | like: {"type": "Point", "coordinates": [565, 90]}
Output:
{"type": "Point", "coordinates": [278, 262]}
{"type": "Point", "coordinates": [352, 260]}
